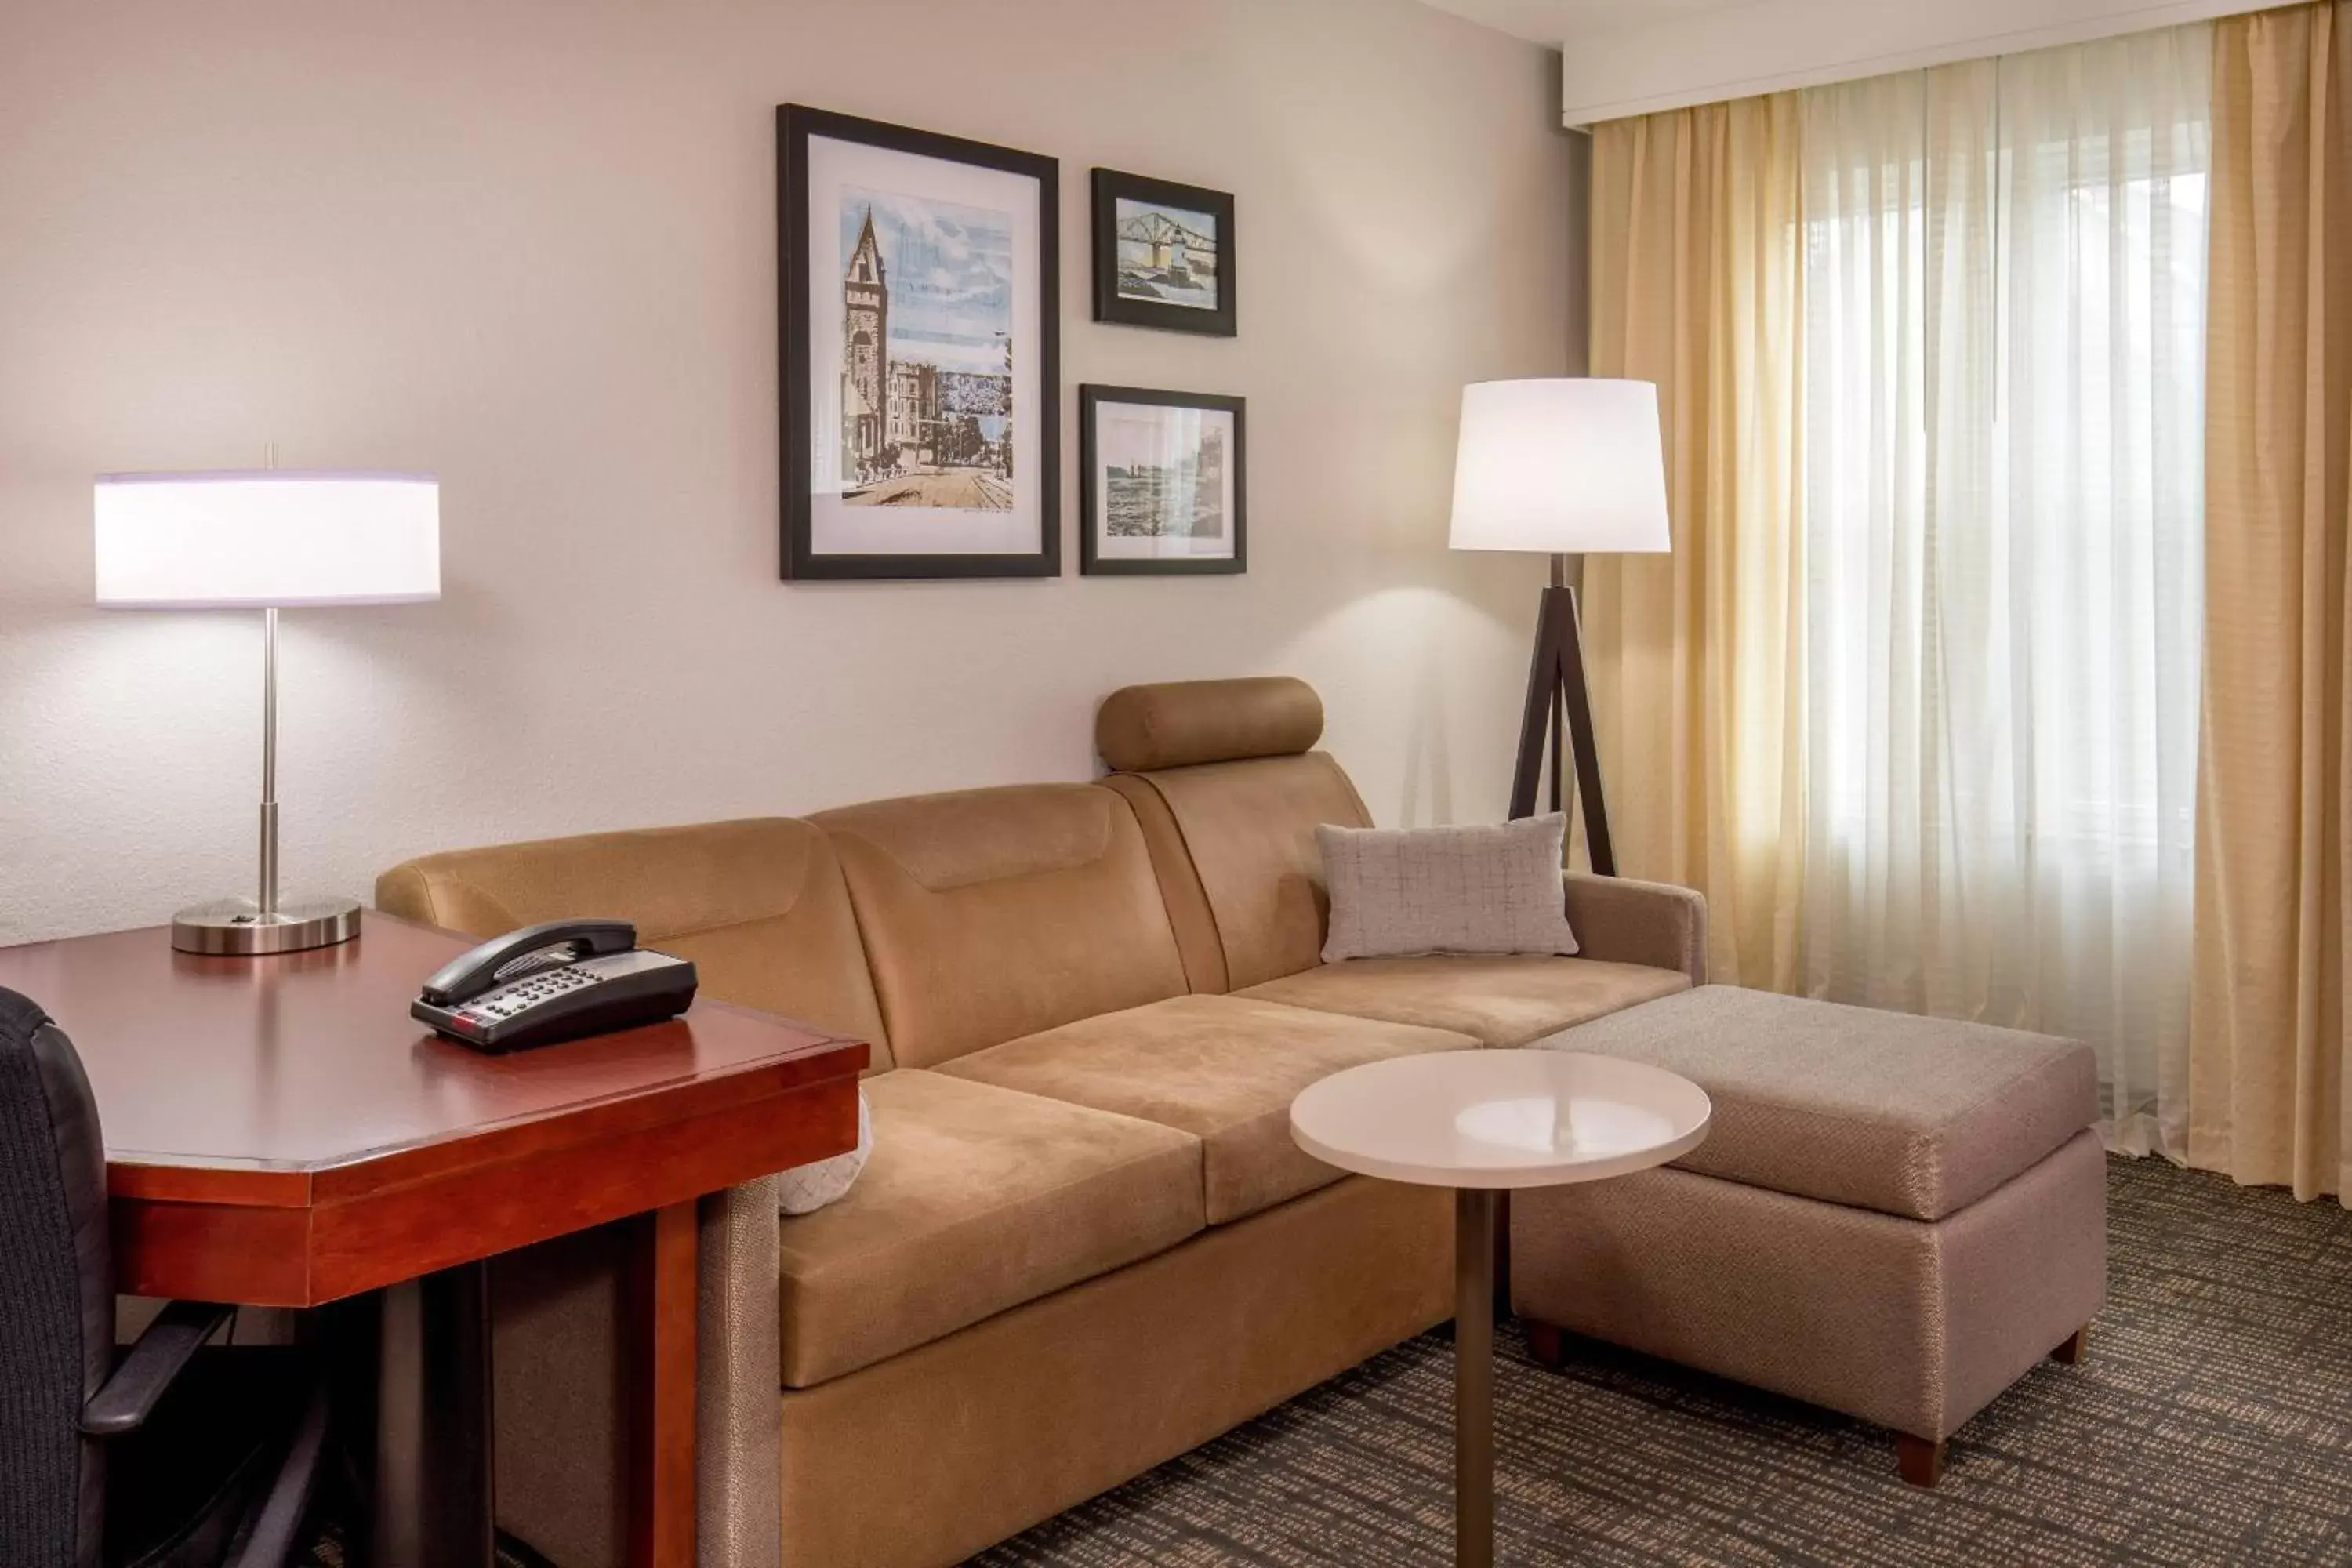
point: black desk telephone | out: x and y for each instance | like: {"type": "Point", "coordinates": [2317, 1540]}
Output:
{"type": "Point", "coordinates": [553, 981]}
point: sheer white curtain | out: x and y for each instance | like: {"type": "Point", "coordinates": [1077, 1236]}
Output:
{"type": "Point", "coordinates": [2004, 359]}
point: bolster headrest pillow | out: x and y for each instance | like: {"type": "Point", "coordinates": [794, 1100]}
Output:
{"type": "Point", "coordinates": [1177, 723]}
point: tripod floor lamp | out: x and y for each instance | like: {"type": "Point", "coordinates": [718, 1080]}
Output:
{"type": "Point", "coordinates": [1563, 467]}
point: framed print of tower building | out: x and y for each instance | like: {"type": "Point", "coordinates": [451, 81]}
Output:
{"type": "Point", "coordinates": [918, 296]}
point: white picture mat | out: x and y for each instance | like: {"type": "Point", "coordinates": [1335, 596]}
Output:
{"type": "Point", "coordinates": [834, 526]}
{"type": "Point", "coordinates": [1157, 433]}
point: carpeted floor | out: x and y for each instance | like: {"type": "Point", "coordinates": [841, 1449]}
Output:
{"type": "Point", "coordinates": [2210, 1423]}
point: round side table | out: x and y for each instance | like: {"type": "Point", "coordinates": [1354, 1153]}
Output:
{"type": "Point", "coordinates": [1480, 1123]}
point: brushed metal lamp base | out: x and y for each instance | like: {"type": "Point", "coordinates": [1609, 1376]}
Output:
{"type": "Point", "coordinates": [237, 928]}
{"type": "Point", "coordinates": [252, 928]}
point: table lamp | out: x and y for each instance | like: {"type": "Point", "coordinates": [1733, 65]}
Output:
{"type": "Point", "coordinates": [267, 539]}
{"type": "Point", "coordinates": [1568, 467]}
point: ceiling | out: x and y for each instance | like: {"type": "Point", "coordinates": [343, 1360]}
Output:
{"type": "Point", "coordinates": [1621, 58]}
{"type": "Point", "coordinates": [1549, 21]}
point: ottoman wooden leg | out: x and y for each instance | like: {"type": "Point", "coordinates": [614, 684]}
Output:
{"type": "Point", "coordinates": [2071, 1351]}
{"type": "Point", "coordinates": [1921, 1461]}
{"type": "Point", "coordinates": [1544, 1344]}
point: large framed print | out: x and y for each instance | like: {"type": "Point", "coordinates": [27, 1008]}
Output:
{"type": "Point", "coordinates": [917, 297]}
{"type": "Point", "coordinates": [1166, 479]}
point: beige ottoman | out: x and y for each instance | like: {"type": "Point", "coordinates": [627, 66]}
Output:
{"type": "Point", "coordinates": [1892, 1217]}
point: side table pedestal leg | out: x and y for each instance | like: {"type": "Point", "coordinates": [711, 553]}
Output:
{"type": "Point", "coordinates": [1474, 1377]}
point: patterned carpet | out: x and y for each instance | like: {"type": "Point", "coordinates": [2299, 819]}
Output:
{"type": "Point", "coordinates": [2210, 1423]}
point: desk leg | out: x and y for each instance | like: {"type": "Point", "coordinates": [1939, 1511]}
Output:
{"type": "Point", "coordinates": [433, 1488]}
{"type": "Point", "coordinates": [661, 1375]}
{"type": "Point", "coordinates": [1473, 1377]}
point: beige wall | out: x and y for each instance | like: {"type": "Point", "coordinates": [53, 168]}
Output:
{"type": "Point", "coordinates": [530, 246]}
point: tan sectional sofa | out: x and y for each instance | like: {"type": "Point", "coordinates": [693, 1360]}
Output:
{"type": "Point", "coordinates": [1085, 1242]}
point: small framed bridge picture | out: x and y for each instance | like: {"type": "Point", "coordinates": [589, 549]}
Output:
{"type": "Point", "coordinates": [1163, 255]}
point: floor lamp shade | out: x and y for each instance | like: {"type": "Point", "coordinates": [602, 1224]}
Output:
{"type": "Point", "coordinates": [266, 539]}
{"type": "Point", "coordinates": [1564, 466]}
{"type": "Point", "coordinates": [1560, 466]}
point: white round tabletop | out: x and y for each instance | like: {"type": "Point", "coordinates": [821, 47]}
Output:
{"type": "Point", "coordinates": [1500, 1119]}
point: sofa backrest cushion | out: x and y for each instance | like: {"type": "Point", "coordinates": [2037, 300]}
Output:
{"type": "Point", "coordinates": [759, 906]}
{"type": "Point", "coordinates": [1179, 724]}
{"type": "Point", "coordinates": [1235, 842]}
{"type": "Point", "coordinates": [993, 913]}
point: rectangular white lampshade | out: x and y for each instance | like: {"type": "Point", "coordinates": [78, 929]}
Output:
{"type": "Point", "coordinates": [1565, 466]}
{"type": "Point", "coordinates": [263, 538]}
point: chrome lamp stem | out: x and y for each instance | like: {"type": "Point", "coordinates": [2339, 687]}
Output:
{"type": "Point", "coordinates": [252, 928]}
{"type": "Point", "coordinates": [267, 902]}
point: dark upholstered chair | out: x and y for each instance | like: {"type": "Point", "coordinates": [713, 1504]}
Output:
{"type": "Point", "coordinates": [167, 1457]}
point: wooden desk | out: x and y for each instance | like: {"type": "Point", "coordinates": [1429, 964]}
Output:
{"type": "Point", "coordinates": [280, 1132]}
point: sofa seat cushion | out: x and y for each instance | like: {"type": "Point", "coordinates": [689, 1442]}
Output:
{"type": "Point", "coordinates": [975, 1199]}
{"type": "Point", "coordinates": [1501, 999]}
{"type": "Point", "coordinates": [1222, 1069]}
{"type": "Point", "coordinates": [1916, 1117]}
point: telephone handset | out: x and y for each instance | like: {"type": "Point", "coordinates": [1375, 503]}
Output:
{"type": "Point", "coordinates": [553, 981]}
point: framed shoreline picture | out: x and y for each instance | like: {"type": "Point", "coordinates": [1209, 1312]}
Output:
{"type": "Point", "coordinates": [917, 297]}
{"type": "Point", "coordinates": [1163, 255]}
{"type": "Point", "coordinates": [1166, 483]}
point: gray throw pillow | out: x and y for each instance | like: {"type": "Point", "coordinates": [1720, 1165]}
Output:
{"type": "Point", "coordinates": [1402, 892]}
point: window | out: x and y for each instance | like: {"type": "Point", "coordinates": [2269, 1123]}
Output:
{"type": "Point", "coordinates": [2005, 286]}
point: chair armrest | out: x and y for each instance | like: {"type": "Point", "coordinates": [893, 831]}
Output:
{"type": "Point", "coordinates": [1619, 920]}
{"type": "Point", "coordinates": [127, 1398]}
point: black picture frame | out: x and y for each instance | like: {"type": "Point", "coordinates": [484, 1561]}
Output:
{"type": "Point", "coordinates": [1110, 187]}
{"type": "Point", "coordinates": [797, 126]}
{"type": "Point", "coordinates": [1092, 561]}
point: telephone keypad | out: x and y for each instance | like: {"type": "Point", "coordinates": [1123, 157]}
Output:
{"type": "Point", "coordinates": [509, 1000]}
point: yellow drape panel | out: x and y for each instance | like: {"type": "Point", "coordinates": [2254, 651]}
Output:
{"type": "Point", "coordinates": [1698, 656]}
{"type": "Point", "coordinates": [2269, 1058]}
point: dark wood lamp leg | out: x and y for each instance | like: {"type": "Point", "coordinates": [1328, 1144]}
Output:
{"type": "Point", "coordinates": [661, 1372]}
{"type": "Point", "coordinates": [1558, 693]}
{"type": "Point", "coordinates": [1473, 1377]}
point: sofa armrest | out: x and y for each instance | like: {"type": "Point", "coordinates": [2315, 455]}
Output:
{"type": "Point", "coordinates": [1619, 920]}
{"type": "Point", "coordinates": [739, 1428]}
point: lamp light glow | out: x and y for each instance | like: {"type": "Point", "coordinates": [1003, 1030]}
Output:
{"type": "Point", "coordinates": [266, 539]}
{"type": "Point", "coordinates": [1564, 466]}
